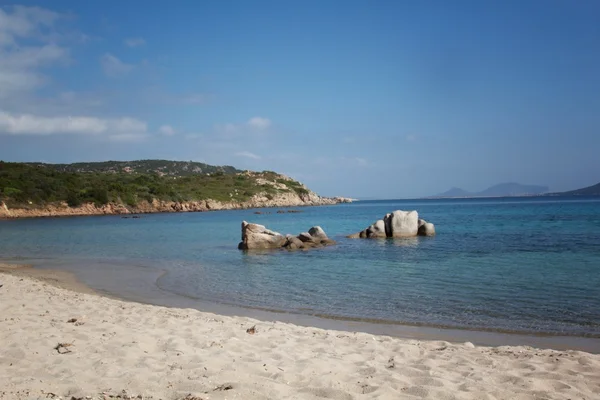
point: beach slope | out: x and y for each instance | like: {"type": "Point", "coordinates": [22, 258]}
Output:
{"type": "Point", "coordinates": [60, 343]}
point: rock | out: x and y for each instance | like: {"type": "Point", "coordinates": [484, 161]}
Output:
{"type": "Point", "coordinates": [404, 223]}
{"type": "Point", "coordinates": [293, 243]}
{"type": "Point", "coordinates": [427, 229]}
{"type": "Point", "coordinates": [377, 230]}
{"type": "Point", "coordinates": [398, 224]}
{"type": "Point", "coordinates": [255, 236]}
{"type": "Point", "coordinates": [317, 232]}
{"type": "Point", "coordinates": [306, 237]}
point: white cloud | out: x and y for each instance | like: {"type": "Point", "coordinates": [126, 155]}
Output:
{"type": "Point", "coordinates": [24, 22]}
{"type": "Point", "coordinates": [20, 63]}
{"type": "Point", "coordinates": [114, 67]}
{"type": "Point", "coordinates": [32, 57]}
{"type": "Point", "coordinates": [128, 137]}
{"type": "Point", "coordinates": [361, 161]}
{"type": "Point", "coordinates": [135, 42]}
{"type": "Point", "coordinates": [228, 129]}
{"type": "Point", "coordinates": [167, 130]}
{"type": "Point", "coordinates": [14, 82]}
{"type": "Point", "coordinates": [253, 125]}
{"type": "Point", "coordinates": [350, 161]}
{"type": "Point", "coordinates": [27, 124]}
{"type": "Point", "coordinates": [259, 123]}
{"type": "Point", "coordinates": [248, 154]}
{"type": "Point", "coordinates": [411, 138]}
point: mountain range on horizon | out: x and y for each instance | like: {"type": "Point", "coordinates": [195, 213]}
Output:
{"type": "Point", "coordinates": [512, 189]}
{"type": "Point", "coordinates": [593, 190]}
{"type": "Point", "coordinates": [500, 190]}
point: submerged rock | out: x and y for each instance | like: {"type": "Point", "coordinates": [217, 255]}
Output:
{"type": "Point", "coordinates": [257, 237]}
{"type": "Point", "coordinates": [397, 224]}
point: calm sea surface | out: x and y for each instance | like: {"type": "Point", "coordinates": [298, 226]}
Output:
{"type": "Point", "coordinates": [524, 265]}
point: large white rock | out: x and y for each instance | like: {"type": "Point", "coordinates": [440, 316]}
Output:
{"type": "Point", "coordinates": [398, 224]}
{"type": "Point", "coordinates": [403, 223]}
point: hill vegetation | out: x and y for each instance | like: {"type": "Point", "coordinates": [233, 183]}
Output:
{"type": "Point", "coordinates": [129, 183]}
{"type": "Point", "coordinates": [160, 167]}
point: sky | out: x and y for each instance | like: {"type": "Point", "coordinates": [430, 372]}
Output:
{"type": "Point", "coordinates": [365, 99]}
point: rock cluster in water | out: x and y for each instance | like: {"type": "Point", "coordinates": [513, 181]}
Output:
{"type": "Point", "coordinates": [397, 224]}
{"type": "Point", "coordinates": [258, 237]}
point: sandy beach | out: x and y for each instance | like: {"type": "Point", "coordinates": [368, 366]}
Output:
{"type": "Point", "coordinates": [60, 340]}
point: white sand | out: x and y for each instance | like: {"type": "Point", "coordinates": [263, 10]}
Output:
{"type": "Point", "coordinates": [163, 353]}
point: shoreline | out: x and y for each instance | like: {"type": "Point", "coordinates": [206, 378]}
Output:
{"type": "Point", "coordinates": [147, 291]}
{"type": "Point", "coordinates": [159, 207]}
{"type": "Point", "coordinates": [61, 343]}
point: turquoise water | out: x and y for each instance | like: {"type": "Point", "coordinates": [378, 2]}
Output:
{"type": "Point", "coordinates": [523, 265]}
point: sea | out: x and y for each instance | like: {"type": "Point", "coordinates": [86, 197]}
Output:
{"type": "Point", "coordinates": [519, 265]}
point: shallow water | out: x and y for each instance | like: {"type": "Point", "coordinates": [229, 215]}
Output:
{"type": "Point", "coordinates": [518, 265]}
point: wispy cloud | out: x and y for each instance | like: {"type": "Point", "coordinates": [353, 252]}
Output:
{"type": "Point", "coordinates": [248, 154]}
{"type": "Point", "coordinates": [254, 124]}
{"type": "Point", "coordinates": [135, 42]}
{"type": "Point", "coordinates": [18, 22]}
{"type": "Point", "coordinates": [28, 124]}
{"type": "Point", "coordinates": [113, 67]}
{"type": "Point", "coordinates": [128, 137]}
{"type": "Point", "coordinates": [259, 123]}
{"type": "Point", "coordinates": [26, 48]}
{"type": "Point", "coordinates": [350, 161]}
{"type": "Point", "coordinates": [411, 138]}
{"type": "Point", "coordinates": [167, 130]}
{"type": "Point", "coordinates": [361, 161]}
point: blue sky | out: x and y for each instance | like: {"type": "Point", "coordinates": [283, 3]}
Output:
{"type": "Point", "coordinates": [377, 99]}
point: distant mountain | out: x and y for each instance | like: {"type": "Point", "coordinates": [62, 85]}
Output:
{"type": "Point", "coordinates": [455, 192]}
{"type": "Point", "coordinates": [593, 190]}
{"type": "Point", "coordinates": [161, 167]}
{"type": "Point", "coordinates": [500, 190]}
{"type": "Point", "coordinates": [513, 189]}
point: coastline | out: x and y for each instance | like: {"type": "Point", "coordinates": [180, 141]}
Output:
{"type": "Point", "coordinates": [170, 353]}
{"type": "Point", "coordinates": [140, 285]}
{"type": "Point", "coordinates": [158, 206]}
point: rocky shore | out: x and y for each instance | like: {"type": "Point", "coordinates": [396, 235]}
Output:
{"type": "Point", "coordinates": [258, 201]}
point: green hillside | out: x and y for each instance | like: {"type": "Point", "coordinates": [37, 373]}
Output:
{"type": "Point", "coordinates": [33, 184]}
{"type": "Point", "coordinates": [161, 167]}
